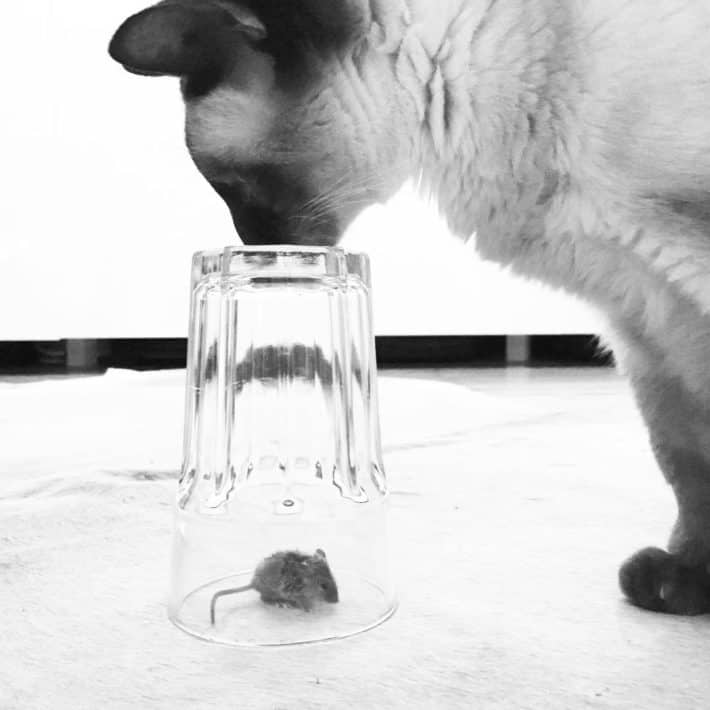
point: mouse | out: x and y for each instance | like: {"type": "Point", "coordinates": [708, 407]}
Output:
{"type": "Point", "coordinates": [291, 579]}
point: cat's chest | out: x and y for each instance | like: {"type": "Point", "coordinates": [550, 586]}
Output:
{"type": "Point", "coordinates": [629, 265]}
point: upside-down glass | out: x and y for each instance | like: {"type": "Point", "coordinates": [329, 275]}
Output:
{"type": "Point", "coordinates": [282, 444]}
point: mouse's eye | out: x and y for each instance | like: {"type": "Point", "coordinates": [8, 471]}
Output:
{"type": "Point", "coordinates": [325, 586]}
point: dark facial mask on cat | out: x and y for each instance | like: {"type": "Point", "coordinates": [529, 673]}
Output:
{"type": "Point", "coordinates": [251, 75]}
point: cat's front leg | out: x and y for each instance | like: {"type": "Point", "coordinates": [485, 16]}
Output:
{"type": "Point", "coordinates": [676, 581]}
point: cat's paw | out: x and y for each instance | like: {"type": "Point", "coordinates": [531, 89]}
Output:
{"type": "Point", "coordinates": [656, 580]}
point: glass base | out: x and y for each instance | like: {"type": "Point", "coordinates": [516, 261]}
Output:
{"type": "Point", "coordinates": [246, 621]}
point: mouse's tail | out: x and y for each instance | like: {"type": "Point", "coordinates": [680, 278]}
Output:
{"type": "Point", "coordinates": [224, 593]}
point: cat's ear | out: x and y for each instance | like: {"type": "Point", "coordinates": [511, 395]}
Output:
{"type": "Point", "coordinates": [293, 26]}
{"type": "Point", "coordinates": [182, 39]}
{"type": "Point", "coordinates": [189, 38]}
{"type": "Point", "coordinates": [333, 22]}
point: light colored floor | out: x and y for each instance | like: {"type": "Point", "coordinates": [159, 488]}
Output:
{"type": "Point", "coordinates": [515, 496]}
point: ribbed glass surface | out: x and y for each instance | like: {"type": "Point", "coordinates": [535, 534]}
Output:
{"type": "Point", "coordinates": [282, 442]}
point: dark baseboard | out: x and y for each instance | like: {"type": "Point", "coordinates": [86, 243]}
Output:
{"type": "Point", "coordinates": [490, 351]}
{"type": "Point", "coordinates": [61, 356]}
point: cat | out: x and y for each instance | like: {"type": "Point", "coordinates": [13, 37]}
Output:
{"type": "Point", "coordinates": [571, 137]}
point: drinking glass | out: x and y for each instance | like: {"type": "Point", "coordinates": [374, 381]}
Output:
{"type": "Point", "coordinates": [282, 451]}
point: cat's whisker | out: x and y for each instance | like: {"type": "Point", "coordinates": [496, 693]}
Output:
{"type": "Point", "coordinates": [342, 203]}
{"type": "Point", "coordinates": [340, 195]}
{"type": "Point", "coordinates": [326, 209]}
{"type": "Point", "coordinates": [333, 192]}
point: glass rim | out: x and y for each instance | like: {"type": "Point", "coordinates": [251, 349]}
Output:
{"type": "Point", "coordinates": [289, 249]}
{"type": "Point", "coordinates": [337, 262]}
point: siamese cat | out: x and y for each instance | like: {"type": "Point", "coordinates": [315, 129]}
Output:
{"type": "Point", "coordinates": [572, 137]}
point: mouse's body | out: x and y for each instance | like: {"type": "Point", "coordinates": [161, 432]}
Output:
{"type": "Point", "coordinates": [289, 579]}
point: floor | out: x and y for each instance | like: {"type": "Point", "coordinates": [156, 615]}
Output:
{"type": "Point", "coordinates": [515, 496]}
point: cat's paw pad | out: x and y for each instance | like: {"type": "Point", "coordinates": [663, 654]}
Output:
{"type": "Point", "coordinates": [654, 579]}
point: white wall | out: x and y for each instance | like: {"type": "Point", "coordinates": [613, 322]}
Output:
{"type": "Point", "coordinates": [101, 207]}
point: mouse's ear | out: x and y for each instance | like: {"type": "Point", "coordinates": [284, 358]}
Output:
{"type": "Point", "coordinates": [178, 38]}
{"type": "Point", "coordinates": [320, 553]}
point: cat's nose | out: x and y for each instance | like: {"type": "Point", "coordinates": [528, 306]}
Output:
{"type": "Point", "coordinates": [264, 238]}
{"type": "Point", "coordinates": [259, 226]}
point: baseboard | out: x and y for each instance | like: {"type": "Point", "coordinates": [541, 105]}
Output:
{"type": "Point", "coordinates": [40, 357]}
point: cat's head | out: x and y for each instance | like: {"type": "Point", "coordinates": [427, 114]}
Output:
{"type": "Point", "coordinates": [293, 113]}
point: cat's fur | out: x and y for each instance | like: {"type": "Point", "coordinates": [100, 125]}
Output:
{"type": "Point", "coordinates": [571, 136]}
